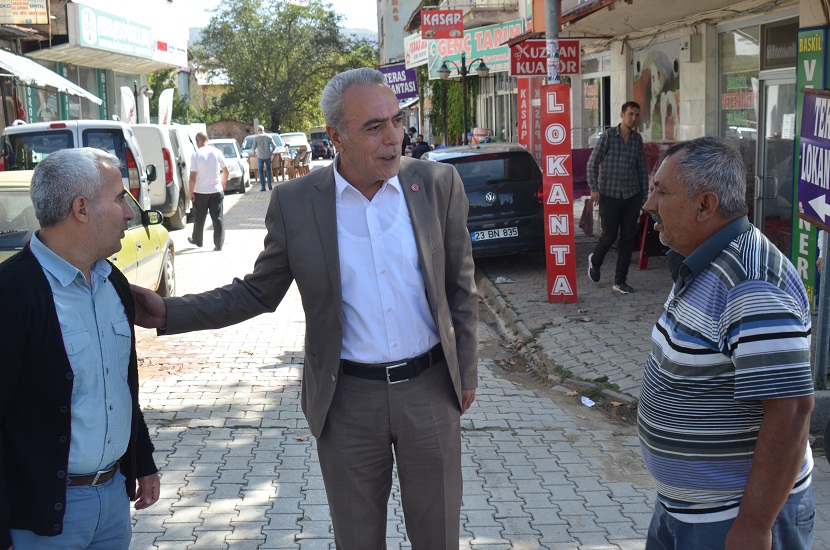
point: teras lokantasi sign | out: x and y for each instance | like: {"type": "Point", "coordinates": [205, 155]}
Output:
{"type": "Point", "coordinates": [481, 42]}
{"type": "Point", "coordinates": [557, 189]}
{"type": "Point", "coordinates": [814, 164]}
{"type": "Point", "coordinates": [403, 81]}
{"type": "Point", "coordinates": [442, 24]}
{"type": "Point", "coordinates": [530, 58]}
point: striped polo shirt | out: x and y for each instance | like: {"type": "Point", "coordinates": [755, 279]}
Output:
{"type": "Point", "coordinates": [735, 331]}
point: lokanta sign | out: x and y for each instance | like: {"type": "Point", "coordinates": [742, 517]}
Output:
{"type": "Point", "coordinates": [442, 24]}
{"type": "Point", "coordinates": [557, 188]}
{"type": "Point", "coordinates": [529, 58]}
{"type": "Point", "coordinates": [814, 161]}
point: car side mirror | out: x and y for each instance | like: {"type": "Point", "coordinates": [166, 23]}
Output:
{"type": "Point", "coordinates": [151, 172]}
{"type": "Point", "coordinates": [151, 217]}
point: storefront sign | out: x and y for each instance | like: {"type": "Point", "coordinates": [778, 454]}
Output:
{"type": "Point", "coordinates": [403, 81]}
{"type": "Point", "coordinates": [530, 58]}
{"type": "Point", "coordinates": [24, 12]}
{"type": "Point", "coordinates": [442, 24]}
{"type": "Point", "coordinates": [480, 43]}
{"type": "Point", "coordinates": [811, 71]}
{"type": "Point", "coordinates": [415, 51]}
{"type": "Point", "coordinates": [557, 186]}
{"type": "Point", "coordinates": [103, 31]}
{"type": "Point", "coordinates": [529, 125]}
{"type": "Point", "coordinates": [814, 166]}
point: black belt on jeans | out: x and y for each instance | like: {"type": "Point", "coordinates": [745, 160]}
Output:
{"type": "Point", "coordinates": [91, 480]}
{"type": "Point", "coordinates": [395, 372]}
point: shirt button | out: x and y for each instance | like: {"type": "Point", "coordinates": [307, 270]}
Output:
{"type": "Point", "coordinates": [58, 506]}
{"type": "Point", "coordinates": [62, 439]}
{"type": "Point", "coordinates": [69, 376]}
{"type": "Point", "coordinates": [382, 271]}
{"type": "Point", "coordinates": [63, 410]}
{"type": "Point", "coordinates": [110, 407]}
{"type": "Point", "coordinates": [61, 474]}
{"type": "Point", "coordinates": [389, 310]}
{"type": "Point", "coordinates": [376, 234]}
{"type": "Point", "coordinates": [56, 528]}
{"type": "Point", "coordinates": [394, 345]}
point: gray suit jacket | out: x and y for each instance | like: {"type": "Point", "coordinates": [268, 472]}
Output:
{"type": "Point", "coordinates": [301, 245]}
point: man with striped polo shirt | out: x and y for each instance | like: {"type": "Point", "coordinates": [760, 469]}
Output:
{"type": "Point", "coordinates": [727, 391]}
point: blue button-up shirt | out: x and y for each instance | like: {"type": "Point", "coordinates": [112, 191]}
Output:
{"type": "Point", "coordinates": [96, 335]}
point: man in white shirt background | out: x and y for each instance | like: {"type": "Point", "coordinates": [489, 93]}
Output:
{"type": "Point", "coordinates": [208, 178]}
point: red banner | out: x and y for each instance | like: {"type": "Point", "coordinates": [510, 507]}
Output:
{"type": "Point", "coordinates": [442, 24]}
{"type": "Point", "coordinates": [530, 58]}
{"type": "Point", "coordinates": [557, 185]}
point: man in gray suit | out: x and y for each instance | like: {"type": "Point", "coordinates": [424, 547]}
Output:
{"type": "Point", "coordinates": [380, 251]}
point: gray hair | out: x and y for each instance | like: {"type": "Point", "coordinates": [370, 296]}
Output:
{"type": "Point", "coordinates": [65, 175]}
{"type": "Point", "coordinates": [331, 101]}
{"type": "Point", "coordinates": [709, 164]}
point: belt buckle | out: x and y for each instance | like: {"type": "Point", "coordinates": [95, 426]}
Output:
{"type": "Point", "coordinates": [388, 373]}
{"type": "Point", "coordinates": [98, 474]}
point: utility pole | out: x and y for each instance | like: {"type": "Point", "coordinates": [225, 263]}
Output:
{"type": "Point", "coordinates": [552, 39]}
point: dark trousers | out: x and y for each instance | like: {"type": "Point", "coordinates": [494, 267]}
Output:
{"type": "Point", "coordinates": [619, 217]}
{"type": "Point", "coordinates": [373, 426]}
{"type": "Point", "coordinates": [204, 203]}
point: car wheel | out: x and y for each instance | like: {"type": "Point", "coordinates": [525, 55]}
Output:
{"type": "Point", "coordinates": [242, 187]}
{"type": "Point", "coordinates": [179, 218]}
{"type": "Point", "coordinates": [167, 280]}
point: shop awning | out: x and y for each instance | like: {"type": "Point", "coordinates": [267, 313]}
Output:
{"type": "Point", "coordinates": [30, 72]}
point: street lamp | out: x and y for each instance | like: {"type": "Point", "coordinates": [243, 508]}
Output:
{"type": "Point", "coordinates": [482, 71]}
{"type": "Point", "coordinates": [146, 91]}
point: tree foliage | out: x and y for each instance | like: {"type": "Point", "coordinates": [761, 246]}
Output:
{"type": "Point", "coordinates": [277, 56]}
{"type": "Point", "coordinates": [447, 117]}
{"type": "Point", "coordinates": [158, 82]}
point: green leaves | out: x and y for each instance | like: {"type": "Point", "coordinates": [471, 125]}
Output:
{"type": "Point", "coordinates": [276, 57]}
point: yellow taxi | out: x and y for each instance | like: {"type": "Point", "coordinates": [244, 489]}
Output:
{"type": "Point", "coordinates": [146, 257]}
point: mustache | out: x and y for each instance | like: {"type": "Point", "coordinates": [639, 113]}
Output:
{"type": "Point", "coordinates": [656, 217]}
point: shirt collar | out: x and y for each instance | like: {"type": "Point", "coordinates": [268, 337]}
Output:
{"type": "Point", "coordinates": [341, 184]}
{"type": "Point", "coordinates": [689, 268]}
{"type": "Point", "coordinates": [64, 272]}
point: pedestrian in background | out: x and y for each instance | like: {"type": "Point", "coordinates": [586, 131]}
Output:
{"type": "Point", "coordinates": [73, 442]}
{"type": "Point", "coordinates": [264, 148]}
{"type": "Point", "coordinates": [379, 248]}
{"type": "Point", "coordinates": [208, 178]}
{"type": "Point", "coordinates": [420, 147]}
{"type": "Point", "coordinates": [618, 180]}
{"type": "Point", "coordinates": [724, 412]}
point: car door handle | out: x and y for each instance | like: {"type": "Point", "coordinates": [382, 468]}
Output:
{"type": "Point", "coordinates": [138, 245]}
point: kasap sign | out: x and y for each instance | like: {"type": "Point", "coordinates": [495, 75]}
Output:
{"type": "Point", "coordinates": [442, 24]}
{"type": "Point", "coordinates": [403, 81]}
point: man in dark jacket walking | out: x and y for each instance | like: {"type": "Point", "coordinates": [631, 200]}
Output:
{"type": "Point", "coordinates": [73, 442]}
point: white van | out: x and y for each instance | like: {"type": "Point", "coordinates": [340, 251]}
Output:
{"type": "Point", "coordinates": [25, 145]}
{"type": "Point", "coordinates": [170, 149]}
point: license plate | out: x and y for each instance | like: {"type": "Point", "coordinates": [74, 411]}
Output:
{"type": "Point", "coordinates": [488, 234]}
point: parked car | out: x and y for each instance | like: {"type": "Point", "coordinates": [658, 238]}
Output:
{"type": "Point", "coordinates": [239, 179]}
{"type": "Point", "coordinates": [504, 186]}
{"type": "Point", "coordinates": [296, 142]}
{"type": "Point", "coordinates": [169, 148]}
{"type": "Point", "coordinates": [319, 149]}
{"type": "Point", "coordinates": [147, 256]}
{"type": "Point", "coordinates": [25, 145]}
{"type": "Point", "coordinates": [248, 152]}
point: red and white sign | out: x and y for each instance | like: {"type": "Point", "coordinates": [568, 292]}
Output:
{"type": "Point", "coordinates": [530, 58]}
{"type": "Point", "coordinates": [557, 187]}
{"type": "Point", "coordinates": [529, 125]}
{"type": "Point", "coordinates": [442, 24]}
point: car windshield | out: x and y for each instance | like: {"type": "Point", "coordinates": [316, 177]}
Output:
{"type": "Point", "coordinates": [494, 168]}
{"type": "Point", "coordinates": [17, 218]}
{"type": "Point", "coordinates": [293, 139]}
{"type": "Point", "coordinates": [227, 149]}
{"type": "Point", "coordinates": [248, 142]}
{"type": "Point", "coordinates": [25, 151]}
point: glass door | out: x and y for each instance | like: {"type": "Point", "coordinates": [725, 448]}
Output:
{"type": "Point", "coordinates": [774, 176]}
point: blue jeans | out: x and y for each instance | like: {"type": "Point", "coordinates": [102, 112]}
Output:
{"type": "Point", "coordinates": [96, 518]}
{"type": "Point", "coordinates": [264, 167]}
{"type": "Point", "coordinates": [793, 529]}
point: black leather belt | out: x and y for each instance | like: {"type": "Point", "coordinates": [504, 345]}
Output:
{"type": "Point", "coordinates": [395, 372]}
{"type": "Point", "coordinates": [91, 480]}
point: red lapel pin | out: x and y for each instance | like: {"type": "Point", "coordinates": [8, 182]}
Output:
{"type": "Point", "coordinates": [415, 187]}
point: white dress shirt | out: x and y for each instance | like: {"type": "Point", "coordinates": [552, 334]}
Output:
{"type": "Point", "coordinates": [385, 309]}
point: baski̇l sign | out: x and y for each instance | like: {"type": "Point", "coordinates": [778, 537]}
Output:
{"type": "Point", "coordinates": [557, 187]}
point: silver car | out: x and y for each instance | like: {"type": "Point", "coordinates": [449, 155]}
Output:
{"type": "Point", "coordinates": [239, 179]}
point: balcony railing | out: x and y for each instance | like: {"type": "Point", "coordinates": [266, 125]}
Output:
{"type": "Point", "coordinates": [506, 5]}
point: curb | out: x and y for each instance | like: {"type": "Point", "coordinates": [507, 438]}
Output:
{"type": "Point", "coordinates": [543, 366]}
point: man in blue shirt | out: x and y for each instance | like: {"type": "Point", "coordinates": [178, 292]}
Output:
{"type": "Point", "coordinates": [73, 442]}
